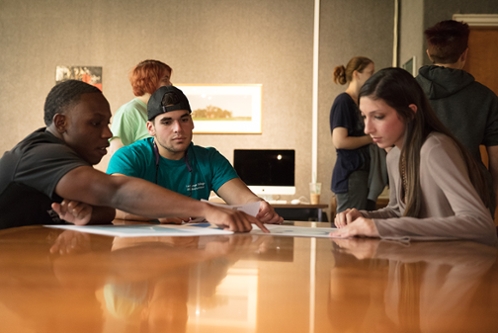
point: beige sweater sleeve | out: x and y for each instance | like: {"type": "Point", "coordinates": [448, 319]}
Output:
{"type": "Point", "coordinates": [451, 207]}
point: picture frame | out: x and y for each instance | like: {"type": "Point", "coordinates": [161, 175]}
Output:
{"type": "Point", "coordinates": [89, 74]}
{"type": "Point", "coordinates": [411, 66]}
{"type": "Point", "coordinates": [225, 108]}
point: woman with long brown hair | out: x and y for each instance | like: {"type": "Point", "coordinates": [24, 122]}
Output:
{"type": "Point", "coordinates": [437, 190]}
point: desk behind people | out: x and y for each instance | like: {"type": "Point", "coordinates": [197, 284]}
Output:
{"type": "Point", "coordinates": [301, 211]}
{"type": "Point", "coordinates": [64, 281]}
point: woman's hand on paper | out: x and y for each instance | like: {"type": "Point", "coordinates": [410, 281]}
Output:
{"type": "Point", "coordinates": [346, 217]}
{"type": "Point", "coordinates": [351, 223]}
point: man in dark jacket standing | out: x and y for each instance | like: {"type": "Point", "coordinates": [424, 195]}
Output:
{"type": "Point", "coordinates": [468, 108]}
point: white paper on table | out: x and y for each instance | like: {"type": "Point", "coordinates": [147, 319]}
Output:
{"type": "Point", "coordinates": [294, 231]}
{"type": "Point", "coordinates": [251, 208]}
{"type": "Point", "coordinates": [143, 230]}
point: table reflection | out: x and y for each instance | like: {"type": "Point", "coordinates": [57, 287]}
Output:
{"type": "Point", "coordinates": [137, 284]}
{"type": "Point", "coordinates": [65, 281]}
{"type": "Point", "coordinates": [426, 287]}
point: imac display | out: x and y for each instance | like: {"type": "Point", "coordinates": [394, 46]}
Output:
{"type": "Point", "coordinates": [266, 172]}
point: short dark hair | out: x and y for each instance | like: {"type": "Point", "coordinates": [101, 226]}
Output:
{"type": "Point", "coordinates": [63, 95]}
{"type": "Point", "coordinates": [447, 40]}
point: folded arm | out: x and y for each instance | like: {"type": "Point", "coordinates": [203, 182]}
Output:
{"type": "Point", "coordinates": [341, 139]}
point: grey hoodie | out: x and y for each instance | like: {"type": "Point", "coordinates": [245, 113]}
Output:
{"type": "Point", "coordinates": [468, 108]}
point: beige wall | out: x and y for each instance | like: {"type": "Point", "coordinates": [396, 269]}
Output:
{"type": "Point", "coordinates": [205, 41]}
{"type": "Point", "coordinates": [208, 41]}
{"type": "Point", "coordinates": [347, 29]}
{"type": "Point", "coordinates": [411, 24]}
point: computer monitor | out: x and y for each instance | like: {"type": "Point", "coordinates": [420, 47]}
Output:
{"type": "Point", "coordinates": [266, 172]}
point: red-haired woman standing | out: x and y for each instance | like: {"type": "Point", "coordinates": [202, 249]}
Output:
{"type": "Point", "coordinates": [128, 124]}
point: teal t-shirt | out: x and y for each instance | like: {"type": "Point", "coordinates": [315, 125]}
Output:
{"type": "Point", "coordinates": [129, 122]}
{"type": "Point", "coordinates": [203, 170]}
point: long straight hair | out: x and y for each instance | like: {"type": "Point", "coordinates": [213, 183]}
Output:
{"type": "Point", "coordinates": [397, 88]}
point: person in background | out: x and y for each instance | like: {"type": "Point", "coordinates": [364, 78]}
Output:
{"type": "Point", "coordinates": [170, 159]}
{"type": "Point", "coordinates": [49, 175]}
{"type": "Point", "coordinates": [437, 190]}
{"type": "Point", "coordinates": [128, 123]}
{"type": "Point", "coordinates": [466, 107]}
{"type": "Point", "coordinates": [351, 170]}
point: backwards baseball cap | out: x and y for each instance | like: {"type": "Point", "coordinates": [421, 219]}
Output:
{"type": "Point", "coordinates": [166, 99]}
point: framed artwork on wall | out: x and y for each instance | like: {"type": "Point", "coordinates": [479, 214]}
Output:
{"type": "Point", "coordinates": [411, 66]}
{"type": "Point", "coordinates": [224, 108]}
{"type": "Point", "coordinates": [89, 74]}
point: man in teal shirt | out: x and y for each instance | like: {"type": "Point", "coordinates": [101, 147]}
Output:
{"type": "Point", "coordinates": [170, 159]}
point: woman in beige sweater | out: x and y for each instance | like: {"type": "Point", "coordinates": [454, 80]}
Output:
{"type": "Point", "coordinates": [437, 190]}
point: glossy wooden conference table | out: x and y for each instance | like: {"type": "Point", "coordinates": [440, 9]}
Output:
{"type": "Point", "coordinates": [64, 281]}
